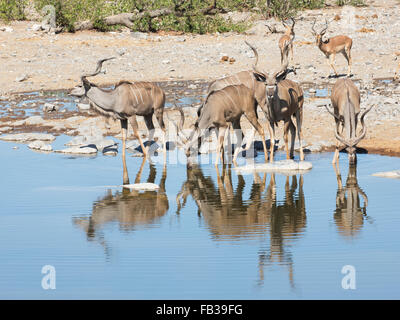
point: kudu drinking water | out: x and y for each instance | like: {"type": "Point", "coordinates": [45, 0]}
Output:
{"type": "Point", "coordinates": [257, 88]}
{"type": "Point", "coordinates": [285, 99]}
{"type": "Point", "coordinates": [345, 100]}
{"type": "Point", "coordinates": [332, 46]}
{"type": "Point", "coordinates": [126, 101]}
{"type": "Point", "coordinates": [221, 108]}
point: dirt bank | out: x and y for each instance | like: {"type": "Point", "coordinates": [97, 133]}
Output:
{"type": "Point", "coordinates": [46, 62]}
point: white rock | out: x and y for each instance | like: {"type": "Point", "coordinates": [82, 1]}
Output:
{"type": "Point", "coordinates": [83, 106]}
{"type": "Point", "coordinates": [24, 137]}
{"type": "Point", "coordinates": [283, 166]}
{"type": "Point", "coordinates": [49, 107]}
{"type": "Point", "coordinates": [78, 150]}
{"type": "Point", "coordinates": [6, 29]}
{"type": "Point", "coordinates": [34, 120]}
{"type": "Point", "coordinates": [36, 27]}
{"type": "Point", "coordinates": [388, 174]}
{"type": "Point", "coordinates": [142, 186]}
{"type": "Point", "coordinates": [21, 78]}
{"type": "Point", "coordinates": [40, 145]}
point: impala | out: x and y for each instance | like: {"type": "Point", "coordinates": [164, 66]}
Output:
{"type": "Point", "coordinates": [332, 46]}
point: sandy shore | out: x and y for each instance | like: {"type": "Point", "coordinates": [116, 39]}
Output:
{"type": "Point", "coordinates": [48, 62]}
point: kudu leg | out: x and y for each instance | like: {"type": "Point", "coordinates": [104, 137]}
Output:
{"type": "Point", "coordinates": [336, 155]}
{"type": "Point", "coordinates": [160, 119]}
{"type": "Point", "coordinates": [292, 129]}
{"type": "Point", "coordinates": [249, 140]}
{"type": "Point", "coordinates": [148, 120]}
{"type": "Point", "coordinates": [124, 129]}
{"type": "Point", "coordinates": [299, 120]}
{"type": "Point", "coordinates": [285, 137]}
{"type": "Point", "coordinates": [253, 120]}
{"type": "Point", "coordinates": [134, 124]}
{"type": "Point", "coordinates": [289, 126]}
{"type": "Point", "coordinates": [271, 130]}
{"type": "Point", "coordinates": [239, 140]}
{"type": "Point", "coordinates": [221, 135]}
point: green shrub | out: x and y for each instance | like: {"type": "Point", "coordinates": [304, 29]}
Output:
{"type": "Point", "coordinates": [356, 3]}
{"type": "Point", "coordinates": [12, 9]}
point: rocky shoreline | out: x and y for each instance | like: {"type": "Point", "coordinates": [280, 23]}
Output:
{"type": "Point", "coordinates": [35, 62]}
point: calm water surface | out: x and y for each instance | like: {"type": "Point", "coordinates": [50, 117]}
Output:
{"type": "Point", "coordinates": [203, 235]}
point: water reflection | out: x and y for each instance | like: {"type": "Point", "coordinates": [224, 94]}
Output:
{"type": "Point", "coordinates": [278, 222]}
{"type": "Point", "coordinates": [349, 214]}
{"type": "Point", "coordinates": [127, 208]}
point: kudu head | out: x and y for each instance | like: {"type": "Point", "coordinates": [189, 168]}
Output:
{"type": "Point", "coordinates": [351, 143]}
{"type": "Point", "coordinates": [318, 35]}
{"type": "Point", "coordinates": [271, 80]}
{"type": "Point", "coordinates": [82, 89]}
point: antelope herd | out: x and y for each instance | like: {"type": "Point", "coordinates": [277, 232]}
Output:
{"type": "Point", "coordinates": [229, 98]}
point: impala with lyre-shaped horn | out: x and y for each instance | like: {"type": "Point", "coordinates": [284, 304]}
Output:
{"type": "Point", "coordinates": [345, 100]}
{"type": "Point", "coordinates": [126, 101]}
{"type": "Point", "coordinates": [332, 46]}
{"type": "Point", "coordinates": [221, 108]}
{"type": "Point", "coordinates": [285, 99]}
{"type": "Point", "coordinates": [286, 41]}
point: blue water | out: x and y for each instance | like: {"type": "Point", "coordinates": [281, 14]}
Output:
{"type": "Point", "coordinates": [222, 243]}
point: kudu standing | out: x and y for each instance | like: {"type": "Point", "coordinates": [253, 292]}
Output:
{"type": "Point", "coordinates": [221, 108]}
{"type": "Point", "coordinates": [285, 99]}
{"type": "Point", "coordinates": [126, 101]}
{"type": "Point", "coordinates": [286, 41]}
{"type": "Point", "coordinates": [244, 77]}
{"type": "Point", "coordinates": [248, 79]}
{"type": "Point", "coordinates": [345, 100]}
{"type": "Point", "coordinates": [332, 46]}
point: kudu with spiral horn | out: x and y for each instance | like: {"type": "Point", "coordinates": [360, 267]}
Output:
{"type": "Point", "coordinates": [126, 101]}
{"type": "Point", "coordinates": [285, 99]}
{"type": "Point", "coordinates": [345, 100]}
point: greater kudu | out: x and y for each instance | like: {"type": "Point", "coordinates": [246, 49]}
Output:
{"type": "Point", "coordinates": [221, 108]}
{"type": "Point", "coordinates": [332, 46]}
{"type": "Point", "coordinates": [285, 99]}
{"type": "Point", "coordinates": [345, 100]}
{"type": "Point", "coordinates": [126, 101]}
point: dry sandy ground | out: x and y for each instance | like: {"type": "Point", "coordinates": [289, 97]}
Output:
{"type": "Point", "coordinates": [56, 61]}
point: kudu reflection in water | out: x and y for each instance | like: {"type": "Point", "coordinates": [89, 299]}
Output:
{"type": "Point", "coordinates": [128, 208]}
{"type": "Point", "coordinates": [349, 214]}
{"type": "Point", "coordinates": [231, 217]}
